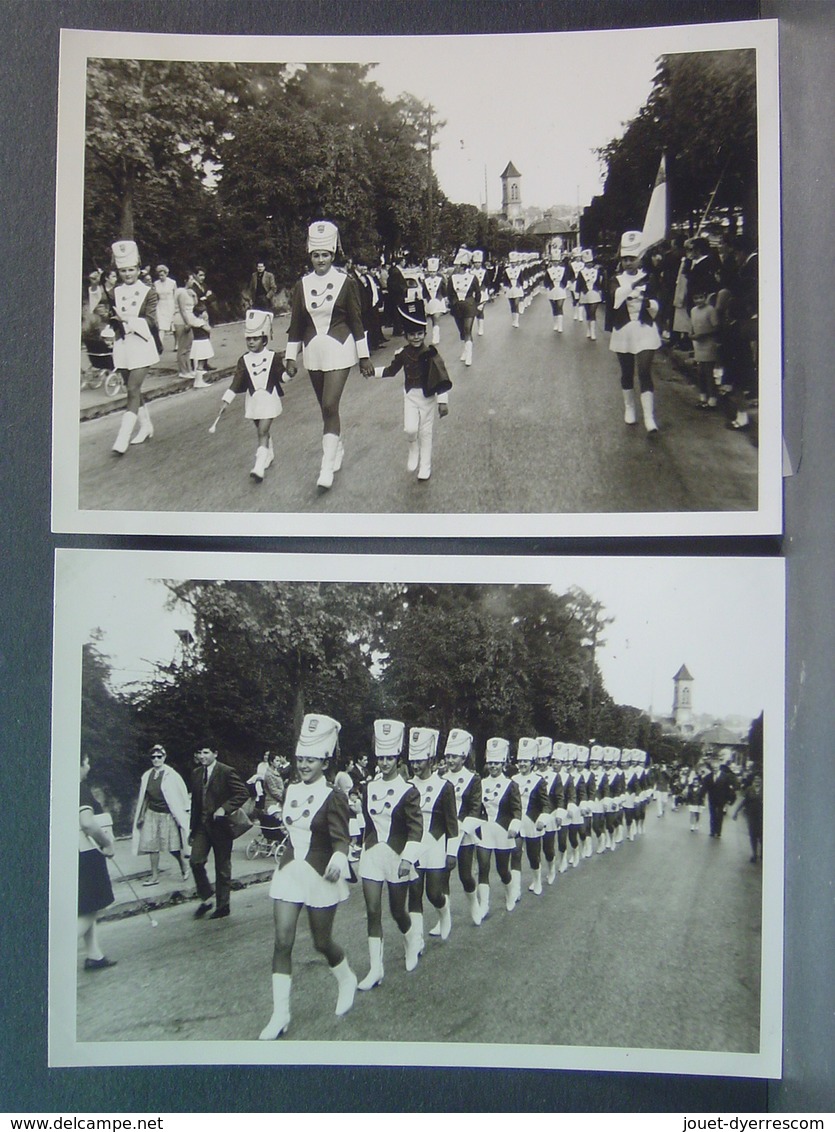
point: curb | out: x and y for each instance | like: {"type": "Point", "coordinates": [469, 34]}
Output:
{"type": "Point", "coordinates": [175, 385]}
{"type": "Point", "coordinates": [137, 907]}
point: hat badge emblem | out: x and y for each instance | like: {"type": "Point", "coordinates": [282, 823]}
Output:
{"type": "Point", "coordinates": [386, 728]}
{"type": "Point", "coordinates": [314, 723]}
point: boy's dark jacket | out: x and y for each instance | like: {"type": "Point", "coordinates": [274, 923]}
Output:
{"type": "Point", "coordinates": [424, 367]}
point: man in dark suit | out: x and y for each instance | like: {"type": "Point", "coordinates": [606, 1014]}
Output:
{"type": "Point", "coordinates": [720, 785]}
{"type": "Point", "coordinates": [262, 287]}
{"type": "Point", "coordinates": [216, 792]}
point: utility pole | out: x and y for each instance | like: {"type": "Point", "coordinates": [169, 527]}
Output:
{"type": "Point", "coordinates": [430, 203]}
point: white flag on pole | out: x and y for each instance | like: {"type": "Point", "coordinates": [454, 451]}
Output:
{"type": "Point", "coordinates": [655, 221]}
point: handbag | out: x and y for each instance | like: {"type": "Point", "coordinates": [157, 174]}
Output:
{"type": "Point", "coordinates": [239, 823]}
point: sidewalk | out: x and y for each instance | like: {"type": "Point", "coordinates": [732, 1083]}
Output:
{"type": "Point", "coordinates": [163, 378]}
{"type": "Point", "coordinates": [127, 871]}
{"type": "Point", "coordinates": [684, 364]}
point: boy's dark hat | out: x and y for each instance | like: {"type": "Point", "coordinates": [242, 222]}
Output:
{"type": "Point", "coordinates": [413, 312]}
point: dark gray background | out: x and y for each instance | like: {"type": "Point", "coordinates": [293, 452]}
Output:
{"type": "Point", "coordinates": [28, 85]}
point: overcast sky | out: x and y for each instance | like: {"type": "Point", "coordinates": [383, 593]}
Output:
{"type": "Point", "coordinates": [717, 616]}
{"type": "Point", "coordinates": [543, 102]}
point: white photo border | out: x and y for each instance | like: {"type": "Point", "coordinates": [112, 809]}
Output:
{"type": "Point", "coordinates": [67, 517]}
{"type": "Point", "coordinates": [766, 577]}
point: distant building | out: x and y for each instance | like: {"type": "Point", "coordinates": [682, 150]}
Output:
{"type": "Point", "coordinates": [711, 734]}
{"type": "Point", "coordinates": [683, 700]}
{"type": "Point", "coordinates": [512, 212]}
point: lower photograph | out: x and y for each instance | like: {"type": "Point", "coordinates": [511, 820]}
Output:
{"type": "Point", "coordinates": [415, 810]}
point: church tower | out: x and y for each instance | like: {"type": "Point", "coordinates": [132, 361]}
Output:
{"type": "Point", "coordinates": [683, 699]}
{"type": "Point", "coordinates": [512, 196]}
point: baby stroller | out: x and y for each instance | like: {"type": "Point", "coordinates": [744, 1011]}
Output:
{"type": "Point", "coordinates": [269, 839]}
{"type": "Point", "coordinates": [100, 351]}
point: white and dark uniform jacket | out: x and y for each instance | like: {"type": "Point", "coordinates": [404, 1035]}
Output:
{"type": "Point", "coordinates": [510, 278]}
{"type": "Point", "coordinates": [326, 321]}
{"type": "Point", "coordinates": [634, 313]}
{"type": "Point", "coordinates": [440, 821]}
{"type": "Point", "coordinates": [555, 281]}
{"type": "Point", "coordinates": [434, 293]}
{"type": "Point", "coordinates": [259, 376]}
{"type": "Point", "coordinates": [590, 284]}
{"type": "Point", "coordinates": [464, 294]}
{"type": "Point", "coordinates": [534, 801]}
{"type": "Point", "coordinates": [316, 818]}
{"type": "Point", "coordinates": [393, 829]}
{"type": "Point", "coordinates": [135, 322]}
{"type": "Point", "coordinates": [501, 813]}
{"type": "Point", "coordinates": [467, 787]}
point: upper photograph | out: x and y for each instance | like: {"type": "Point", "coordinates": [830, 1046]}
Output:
{"type": "Point", "coordinates": [446, 286]}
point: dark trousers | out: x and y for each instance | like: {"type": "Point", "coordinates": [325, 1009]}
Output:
{"type": "Point", "coordinates": [212, 837]}
{"type": "Point", "coordinates": [717, 816]}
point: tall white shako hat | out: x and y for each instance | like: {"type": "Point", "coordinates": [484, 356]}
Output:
{"type": "Point", "coordinates": [388, 737]}
{"type": "Point", "coordinates": [598, 753]}
{"type": "Point", "coordinates": [458, 742]}
{"type": "Point", "coordinates": [423, 743]}
{"type": "Point", "coordinates": [318, 738]}
{"type": "Point", "coordinates": [463, 257]}
{"type": "Point", "coordinates": [544, 746]}
{"type": "Point", "coordinates": [497, 750]}
{"type": "Point", "coordinates": [643, 757]}
{"type": "Point", "coordinates": [125, 254]}
{"type": "Point", "coordinates": [577, 253]}
{"type": "Point", "coordinates": [478, 257]}
{"type": "Point", "coordinates": [258, 323]}
{"type": "Point", "coordinates": [322, 236]}
{"type": "Point", "coordinates": [630, 243]}
{"type": "Point", "coordinates": [513, 257]}
{"type": "Point", "coordinates": [582, 756]}
{"type": "Point", "coordinates": [433, 263]}
{"type": "Point", "coordinates": [558, 752]}
{"type": "Point", "coordinates": [526, 750]}
{"type": "Point", "coordinates": [570, 754]}
{"type": "Point", "coordinates": [587, 256]}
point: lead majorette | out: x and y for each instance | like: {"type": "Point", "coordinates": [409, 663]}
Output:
{"type": "Point", "coordinates": [136, 345]}
{"type": "Point", "coordinates": [501, 823]}
{"type": "Point", "coordinates": [259, 374]}
{"type": "Point", "coordinates": [439, 846]}
{"type": "Point", "coordinates": [464, 295]}
{"type": "Point", "coordinates": [591, 285]}
{"type": "Point", "coordinates": [467, 787]}
{"type": "Point", "coordinates": [391, 845]}
{"type": "Point", "coordinates": [555, 280]}
{"type": "Point", "coordinates": [434, 295]}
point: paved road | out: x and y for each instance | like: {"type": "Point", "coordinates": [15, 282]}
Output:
{"type": "Point", "coordinates": [535, 427]}
{"type": "Point", "coordinates": [653, 946]}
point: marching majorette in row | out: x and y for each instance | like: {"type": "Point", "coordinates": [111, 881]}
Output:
{"type": "Point", "coordinates": [136, 345]}
{"type": "Point", "coordinates": [591, 285]}
{"type": "Point", "coordinates": [464, 295]}
{"type": "Point", "coordinates": [326, 324]}
{"type": "Point", "coordinates": [635, 336]}
{"type": "Point", "coordinates": [439, 845]}
{"type": "Point", "coordinates": [391, 844]}
{"type": "Point", "coordinates": [545, 769]}
{"type": "Point", "coordinates": [467, 787]}
{"type": "Point", "coordinates": [259, 374]}
{"type": "Point", "coordinates": [555, 289]}
{"type": "Point", "coordinates": [434, 289]}
{"type": "Point", "coordinates": [313, 871]}
{"type": "Point", "coordinates": [500, 825]}
{"type": "Point", "coordinates": [575, 266]}
{"type": "Point", "coordinates": [510, 276]}
{"type": "Point", "coordinates": [427, 384]}
{"type": "Point", "coordinates": [535, 810]}
{"type": "Point", "coordinates": [480, 272]}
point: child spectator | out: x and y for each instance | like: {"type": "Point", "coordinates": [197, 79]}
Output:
{"type": "Point", "coordinates": [426, 384]}
{"type": "Point", "coordinates": [259, 374]}
{"type": "Point", "coordinates": [705, 323]}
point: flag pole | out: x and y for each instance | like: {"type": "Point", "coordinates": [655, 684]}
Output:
{"type": "Point", "coordinates": [712, 197]}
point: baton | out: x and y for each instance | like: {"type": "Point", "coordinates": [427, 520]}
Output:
{"type": "Point", "coordinates": [213, 429]}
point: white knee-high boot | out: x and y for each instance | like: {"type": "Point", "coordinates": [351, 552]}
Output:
{"type": "Point", "coordinates": [262, 455]}
{"type": "Point", "coordinates": [559, 324]}
{"type": "Point", "coordinates": [475, 908]}
{"type": "Point", "coordinates": [552, 870]}
{"type": "Point", "coordinates": [629, 413]}
{"type": "Point", "coordinates": [280, 1019]}
{"type": "Point", "coordinates": [515, 320]}
{"type": "Point", "coordinates": [120, 445]}
{"type": "Point", "coordinates": [647, 407]}
{"type": "Point", "coordinates": [593, 326]}
{"type": "Point", "coordinates": [146, 428]}
{"type": "Point", "coordinates": [444, 924]}
{"type": "Point", "coordinates": [536, 884]}
{"type": "Point", "coordinates": [347, 982]}
{"type": "Point", "coordinates": [413, 940]}
{"type": "Point", "coordinates": [270, 453]}
{"type": "Point", "coordinates": [375, 974]}
{"type": "Point", "coordinates": [480, 322]}
{"type": "Point", "coordinates": [509, 897]}
{"type": "Point", "coordinates": [330, 443]}
{"type": "Point", "coordinates": [340, 454]}
{"type": "Point", "coordinates": [468, 352]}
{"type": "Point", "coordinates": [484, 899]}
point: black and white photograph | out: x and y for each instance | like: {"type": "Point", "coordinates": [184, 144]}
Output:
{"type": "Point", "coordinates": [559, 233]}
{"type": "Point", "coordinates": [566, 773]}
